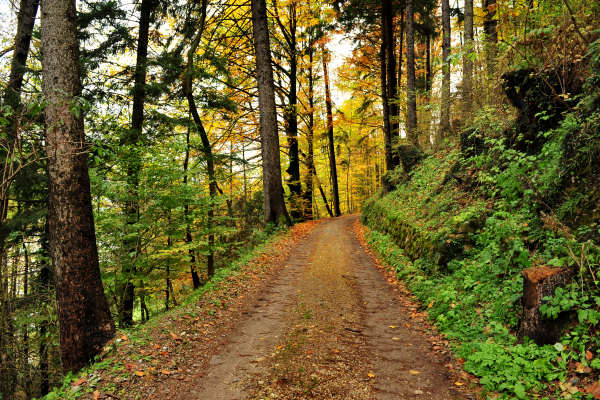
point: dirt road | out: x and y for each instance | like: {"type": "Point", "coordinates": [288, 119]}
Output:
{"type": "Point", "coordinates": [328, 327]}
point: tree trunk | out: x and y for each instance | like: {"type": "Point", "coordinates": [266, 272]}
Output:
{"type": "Point", "coordinates": [467, 84]}
{"type": "Point", "coordinates": [310, 157]}
{"type": "Point", "coordinates": [389, 44]}
{"type": "Point", "coordinates": [131, 140]}
{"type": "Point", "coordinates": [324, 197]}
{"type": "Point", "coordinates": [387, 127]}
{"type": "Point", "coordinates": [12, 94]}
{"type": "Point", "coordinates": [332, 163]}
{"type": "Point", "coordinates": [540, 282]}
{"type": "Point", "coordinates": [25, 21]}
{"type": "Point", "coordinates": [428, 76]}
{"type": "Point", "coordinates": [186, 214]}
{"type": "Point", "coordinates": [400, 51]}
{"type": "Point", "coordinates": [12, 98]}
{"type": "Point", "coordinates": [206, 145]}
{"type": "Point", "coordinates": [411, 95]}
{"type": "Point", "coordinates": [491, 34]}
{"type": "Point", "coordinates": [44, 291]}
{"type": "Point", "coordinates": [83, 313]}
{"type": "Point", "coordinates": [445, 102]}
{"type": "Point", "coordinates": [291, 119]}
{"type": "Point", "coordinates": [274, 205]}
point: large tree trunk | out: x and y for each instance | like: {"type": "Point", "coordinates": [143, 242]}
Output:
{"type": "Point", "coordinates": [125, 288]}
{"type": "Point", "coordinates": [332, 163]}
{"type": "Point", "coordinates": [445, 102]}
{"type": "Point", "coordinates": [467, 84]}
{"type": "Point", "coordinates": [411, 95]}
{"type": "Point", "coordinates": [83, 313]}
{"type": "Point", "coordinates": [275, 210]}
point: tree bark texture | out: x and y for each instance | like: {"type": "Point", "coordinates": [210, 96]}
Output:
{"type": "Point", "coordinates": [332, 163]}
{"type": "Point", "coordinates": [274, 205]}
{"type": "Point", "coordinates": [411, 95]}
{"type": "Point", "coordinates": [83, 313]}
{"type": "Point", "coordinates": [539, 282]}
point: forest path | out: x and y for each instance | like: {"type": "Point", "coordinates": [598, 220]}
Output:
{"type": "Point", "coordinates": [329, 326]}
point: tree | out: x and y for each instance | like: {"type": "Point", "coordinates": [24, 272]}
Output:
{"type": "Point", "coordinates": [12, 98]}
{"type": "Point", "coordinates": [274, 205]}
{"type": "Point", "coordinates": [290, 113]}
{"type": "Point", "coordinates": [445, 101]}
{"type": "Point", "coordinates": [491, 34]}
{"type": "Point", "coordinates": [332, 163]}
{"type": "Point", "coordinates": [131, 140]}
{"type": "Point", "coordinates": [389, 84]}
{"type": "Point", "coordinates": [411, 95]}
{"type": "Point", "coordinates": [206, 145]}
{"type": "Point", "coordinates": [467, 83]}
{"type": "Point", "coordinates": [83, 313]}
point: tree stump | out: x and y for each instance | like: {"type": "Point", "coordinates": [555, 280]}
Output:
{"type": "Point", "coordinates": [539, 282]}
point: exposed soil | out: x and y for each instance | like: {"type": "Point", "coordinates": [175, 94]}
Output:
{"type": "Point", "coordinates": [329, 325]}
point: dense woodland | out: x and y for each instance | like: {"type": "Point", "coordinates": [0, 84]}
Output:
{"type": "Point", "coordinates": [146, 145]}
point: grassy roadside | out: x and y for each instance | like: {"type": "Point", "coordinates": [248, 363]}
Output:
{"type": "Point", "coordinates": [175, 344]}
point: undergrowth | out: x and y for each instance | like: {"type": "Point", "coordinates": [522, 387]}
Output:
{"type": "Point", "coordinates": [464, 226]}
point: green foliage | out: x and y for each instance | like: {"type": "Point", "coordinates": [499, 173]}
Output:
{"type": "Point", "coordinates": [520, 208]}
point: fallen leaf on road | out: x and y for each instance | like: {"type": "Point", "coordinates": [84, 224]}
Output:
{"type": "Point", "coordinates": [593, 389]}
{"type": "Point", "coordinates": [140, 373]}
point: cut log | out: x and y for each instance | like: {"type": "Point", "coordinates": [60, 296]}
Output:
{"type": "Point", "coordinates": [539, 282]}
